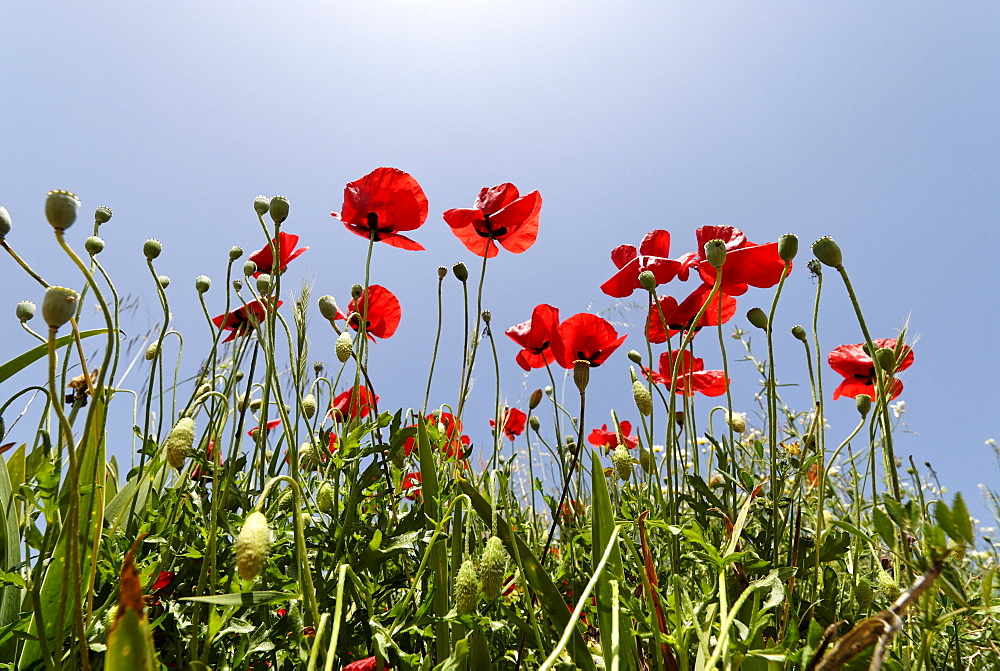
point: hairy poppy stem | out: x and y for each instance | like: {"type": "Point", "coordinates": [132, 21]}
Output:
{"type": "Point", "coordinates": [772, 417]}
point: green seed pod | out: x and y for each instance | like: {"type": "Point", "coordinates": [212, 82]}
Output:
{"type": "Point", "coordinates": [535, 399]}
{"type": "Point", "coordinates": [622, 461]}
{"type": "Point", "coordinates": [736, 421]}
{"type": "Point", "coordinates": [318, 368]}
{"type": "Point", "coordinates": [309, 406]}
{"type": "Point", "coordinates": [344, 347]}
{"type": "Point", "coordinates": [263, 283]}
{"type": "Point", "coordinates": [94, 245]}
{"type": "Point", "coordinates": [828, 252]}
{"type": "Point", "coordinates": [61, 208]}
{"type": "Point", "coordinates": [102, 215]}
{"type": "Point", "coordinates": [788, 247]}
{"type": "Point", "coordinates": [715, 252]}
{"type": "Point", "coordinates": [151, 248]}
{"type": "Point", "coordinates": [643, 398]}
{"type": "Point", "coordinates": [324, 498]}
{"type": "Point", "coordinates": [249, 268]}
{"type": "Point", "coordinates": [466, 588]}
{"type": "Point", "coordinates": [59, 306]}
{"type": "Point", "coordinates": [261, 205]}
{"type": "Point", "coordinates": [202, 283]}
{"type": "Point", "coordinates": [278, 209]}
{"type": "Point", "coordinates": [163, 281]}
{"type": "Point", "coordinates": [886, 359]}
{"type": "Point", "coordinates": [152, 350]}
{"type": "Point", "coordinates": [799, 333]}
{"type": "Point", "coordinates": [252, 546]}
{"type": "Point", "coordinates": [235, 253]}
{"type": "Point", "coordinates": [328, 307]}
{"type": "Point", "coordinates": [634, 357]}
{"type": "Point", "coordinates": [647, 280]}
{"type": "Point", "coordinates": [863, 594]}
{"type": "Point", "coordinates": [356, 290]}
{"type": "Point", "coordinates": [493, 567]}
{"type": "Point", "coordinates": [461, 272]}
{"type": "Point", "coordinates": [863, 402]}
{"type": "Point", "coordinates": [237, 285]}
{"type": "Point", "coordinates": [581, 374]}
{"type": "Point", "coordinates": [25, 311]}
{"type": "Point", "coordinates": [179, 442]}
{"type": "Point", "coordinates": [757, 318]}
{"type": "Point", "coordinates": [442, 272]}
{"type": "Point", "coordinates": [5, 222]}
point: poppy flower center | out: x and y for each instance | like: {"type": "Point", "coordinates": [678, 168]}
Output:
{"type": "Point", "coordinates": [868, 379]}
{"type": "Point", "coordinates": [487, 229]}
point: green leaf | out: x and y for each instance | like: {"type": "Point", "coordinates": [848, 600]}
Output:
{"type": "Point", "coordinates": [963, 522]}
{"type": "Point", "coordinates": [24, 360]}
{"type": "Point", "coordinates": [10, 556]}
{"type": "Point", "coordinates": [245, 599]}
{"type": "Point", "coordinates": [944, 519]}
{"type": "Point", "coordinates": [884, 526]}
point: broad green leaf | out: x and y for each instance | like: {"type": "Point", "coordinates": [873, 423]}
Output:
{"type": "Point", "coordinates": [944, 519]}
{"type": "Point", "coordinates": [884, 526]}
{"type": "Point", "coordinates": [24, 360]}
{"type": "Point", "coordinates": [963, 522]}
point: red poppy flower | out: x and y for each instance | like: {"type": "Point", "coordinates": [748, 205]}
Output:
{"type": "Point", "coordinates": [265, 261]}
{"type": "Point", "coordinates": [383, 308]}
{"type": "Point", "coordinates": [164, 579]}
{"type": "Point", "coordinates": [651, 255]}
{"type": "Point", "coordinates": [691, 375]}
{"type": "Point", "coordinates": [381, 204]}
{"type": "Point", "coordinates": [858, 368]}
{"type": "Point", "coordinates": [567, 512]}
{"type": "Point", "coordinates": [500, 214]}
{"type": "Point", "coordinates": [281, 612]}
{"type": "Point", "coordinates": [453, 442]}
{"type": "Point", "coordinates": [270, 425]}
{"type": "Point", "coordinates": [602, 437]}
{"type": "Point", "coordinates": [681, 317]}
{"type": "Point", "coordinates": [366, 664]}
{"type": "Point", "coordinates": [411, 485]}
{"type": "Point", "coordinates": [585, 337]}
{"type": "Point", "coordinates": [747, 264]}
{"type": "Point", "coordinates": [536, 337]}
{"type": "Point", "coordinates": [196, 472]}
{"type": "Point", "coordinates": [242, 319]}
{"type": "Point", "coordinates": [353, 403]}
{"type": "Point", "coordinates": [513, 423]}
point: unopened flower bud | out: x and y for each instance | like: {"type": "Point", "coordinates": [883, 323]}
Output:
{"type": "Point", "coordinates": [202, 283]}
{"type": "Point", "coordinates": [737, 421]}
{"type": "Point", "coordinates": [493, 567]}
{"type": "Point", "coordinates": [237, 284]}
{"type": "Point", "coordinates": [799, 332]}
{"type": "Point", "coordinates": [151, 249]}
{"type": "Point", "coordinates": [344, 347]}
{"type": "Point", "coordinates": [249, 268]}
{"type": "Point", "coordinates": [324, 498]}
{"type": "Point", "coordinates": [461, 272]}
{"type": "Point", "coordinates": [534, 423]}
{"type": "Point", "coordinates": [252, 546]}
{"type": "Point", "coordinates": [235, 252]}
{"type": "Point", "coordinates": [863, 402]}
{"type": "Point", "coordinates": [535, 399]}
{"type": "Point", "coordinates": [308, 456]}
{"type": "Point", "coordinates": [466, 588]}
{"type": "Point", "coordinates": [442, 272]}
{"type": "Point", "coordinates": [581, 374]}
{"type": "Point", "coordinates": [622, 461]}
{"type": "Point", "coordinates": [25, 311]}
{"type": "Point", "coordinates": [255, 404]}
{"type": "Point", "coordinates": [5, 222]}
{"type": "Point", "coordinates": [757, 318]}
{"type": "Point", "coordinates": [59, 306]}
{"type": "Point", "coordinates": [645, 460]}
{"type": "Point", "coordinates": [717, 480]}
{"type": "Point", "coordinates": [163, 281]}
{"type": "Point", "coordinates": [548, 390]}
{"type": "Point", "coordinates": [863, 594]}
{"type": "Point", "coordinates": [278, 209]}
{"type": "Point", "coordinates": [102, 215]}
{"type": "Point", "coordinates": [261, 204]}
{"type": "Point", "coordinates": [647, 280]}
{"type": "Point", "coordinates": [788, 247]}
{"type": "Point", "coordinates": [328, 307]}
{"type": "Point", "coordinates": [93, 245]}
{"type": "Point", "coordinates": [152, 350]}
{"type": "Point", "coordinates": [309, 406]}
{"type": "Point", "coordinates": [643, 398]}
{"type": "Point", "coordinates": [263, 283]}
{"type": "Point", "coordinates": [715, 252]}
{"type": "Point", "coordinates": [285, 500]}
{"type": "Point", "coordinates": [634, 357]}
{"type": "Point", "coordinates": [61, 208]}
{"type": "Point", "coordinates": [886, 359]}
{"type": "Point", "coordinates": [179, 442]}
{"type": "Point", "coordinates": [828, 252]}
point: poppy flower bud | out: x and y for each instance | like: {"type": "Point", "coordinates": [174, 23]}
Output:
{"type": "Point", "coordinates": [535, 399]}
{"type": "Point", "coordinates": [442, 272]}
{"type": "Point", "coordinates": [61, 208]}
{"type": "Point", "coordinates": [261, 205]}
{"type": "Point", "coordinates": [634, 357]}
{"type": "Point", "coordinates": [356, 290]}
{"type": "Point", "coordinates": [887, 587]}
{"type": "Point", "coordinates": [202, 283]}
{"type": "Point", "coordinates": [534, 423]}
{"type": "Point", "coordinates": [863, 594]}
{"type": "Point", "coordinates": [102, 215]}
{"type": "Point", "coordinates": [679, 417]}
{"type": "Point", "coordinates": [255, 404]}
{"type": "Point", "coordinates": [249, 268]}
{"type": "Point", "coordinates": [466, 588]}
{"type": "Point", "coordinates": [25, 311]}
{"type": "Point", "coordinates": [5, 222]}
{"type": "Point", "coordinates": [328, 307]}
{"type": "Point", "coordinates": [461, 272]}
{"type": "Point", "coordinates": [263, 283]}
{"type": "Point", "coordinates": [151, 249]}
{"type": "Point", "coordinates": [324, 498]}
{"type": "Point", "coordinates": [278, 209]}
{"type": "Point", "coordinates": [309, 406]}
{"type": "Point", "coordinates": [788, 247]}
{"type": "Point", "coordinates": [828, 252]}
{"type": "Point", "coordinates": [622, 462]}
{"type": "Point", "coordinates": [308, 456]}
{"type": "Point", "coordinates": [863, 402]}
{"type": "Point", "coordinates": [252, 546]}
{"type": "Point", "coordinates": [179, 442]}
{"type": "Point", "coordinates": [344, 347]}
{"type": "Point", "coordinates": [737, 421]}
{"type": "Point", "coordinates": [548, 390]}
{"type": "Point", "coordinates": [799, 332]}
{"type": "Point", "coordinates": [93, 245]}
{"type": "Point", "coordinates": [59, 306]}
{"type": "Point", "coordinates": [152, 350]}
{"type": "Point", "coordinates": [757, 318]}
{"type": "Point", "coordinates": [647, 280]}
{"type": "Point", "coordinates": [235, 252]}
{"type": "Point", "coordinates": [163, 281]}
{"type": "Point", "coordinates": [645, 460]}
{"type": "Point", "coordinates": [581, 374]}
{"type": "Point", "coordinates": [715, 252]}
{"type": "Point", "coordinates": [285, 500]}
{"type": "Point", "coordinates": [643, 398]}
{"type": "Point", "coordinates": [886, 359]}
{"type": "Point", "coordinates": [493, 567]}
{"type": "Point", "coordinates": [239, 375]}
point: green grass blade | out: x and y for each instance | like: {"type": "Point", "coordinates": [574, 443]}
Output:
{"type": "Point", "coordinates": [22, 361]}
{"type": "Point", "coordinates": [10, 556]}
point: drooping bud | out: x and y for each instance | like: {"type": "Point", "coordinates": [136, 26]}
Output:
{"type": "Point", "coordinates": [863, 402]}
{"type": "Point", "coordinates": [534, 423]}
{"type": "Point", "coordinates": [5, 222]}
{"type": "Point", "coordinates": [179, 442]}
{"type": "Point", "coordinates": [493, 567]}
{"type": "Point", "coordinates": [622, 461]}
{"type": "Point", "coordinates": [94, 245]}
{"type": "Point", "coordinates": [202, 283]}
{"type": "Point", "coordinates": [634, 357]}
{"type": "Point", "coordinates": [328, 307]}
{"type": "Point", "coordinates": [249, 268]}
{"type": "Point", "coordinates": [886, 359]}
{"type": "Point", "coordinates": [442, 272]}
{"type": "Point", "coordinates": [308, 456]}
{"type": "Point", "coordinates": [255, 404]}
{"type": "Point", "coordinates": [309, 406]}
{"type": "Point", "coordinates": [828, 252]}
{"type": "Point", "coordinates": [647, 280]}
{"type": "Point", "coordinates": [344, 347]}
{"type": "Point", "coordinates": [151, 249]}
{"type": "Point", "coordinates": [235, 252]}
{"type": "Point", "coordinates": [324, 498]}
{"type": "Point", "coordinates": [152, 350]}
{"type": "Point", "coordinates": [61, 208]}
{"type": "Point", "coordinates": [252, 546]}
{"type": "Point", "coordinates": [163, 281]}
{"type": "Point", "coordinates": [757, 318]}
{"type": "Point", "coordinates": [799, 333]}
{"type": "Point", "coordinates": [25, 311]}
{"type": "Point", "coordinates": [261, 204]}
{"type": "Point", "coordinates": [581, 374]}
{"type": "Point", "coordinates": [788, 247]}
{"type": "Point", "coordinates": [285, 500]}
{"type": "Point", "coordinates": [278, 209]}
{"type": "Point", "coordinates": [461, 272]}
{"type": "Point", "coordinates": [737, 421]}
{"type": "Point", "coordinates": [59, 306]}
{"type": "Point", "coordinates": [466, 588]}
{"type": "Point", "coordinates": [263, 283]}
{"type": "Point", "coordinates": [535, 399]}
{"type": "Point", "coordinates": [715, 252]}
{"type": "Point", "coordinates": [102, 215]}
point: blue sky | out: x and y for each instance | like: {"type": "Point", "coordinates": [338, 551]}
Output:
{"type": "Point", "coordinates": [878, 124]}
